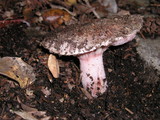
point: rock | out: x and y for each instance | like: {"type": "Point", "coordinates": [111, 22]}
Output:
{"type": "Point", "coordinates": [149, 50]}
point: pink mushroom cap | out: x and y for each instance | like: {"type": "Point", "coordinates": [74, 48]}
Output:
{"type": "Point", "coordinates": [88, 41]}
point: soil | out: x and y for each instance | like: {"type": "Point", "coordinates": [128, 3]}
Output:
{"type": "Point", "coordinates": [132, 94]}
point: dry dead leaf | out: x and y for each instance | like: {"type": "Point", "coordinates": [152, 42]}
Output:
{"type": "Point", "coordinates": [18, 70]}
{"type": "Point", "coordinates": [70, 2]}
{"type": "Point", "coordinates": [56, 17]}
{"type": "Point", "coordinates": [53, 66]}
{"type": "Point", "coordinates": [25, 115]}
{"type": "Point", "coordinates": [30, 113]}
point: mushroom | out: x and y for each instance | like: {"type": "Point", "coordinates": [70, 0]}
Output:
{"type": "Point", "coordinates": [88, 41]}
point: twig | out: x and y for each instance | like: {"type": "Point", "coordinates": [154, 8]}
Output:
{"type": "Point", "coordinates": [155, 5]}
{"type": "Point", "coordinates": [63, 8]}
{"type": "Point", "coordinates": [93, 9]}
{"type": "Point", "coordinates": [128, 110]}
{"type": "Point", "coordinates": [6, 22]}
{"type": "Point", "coordinates": [61, 3]}
{"type": "Point", "coordinates": [142, 35]}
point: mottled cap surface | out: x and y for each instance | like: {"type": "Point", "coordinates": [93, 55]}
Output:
{"type": "Point", "coordinates": [82, 38]}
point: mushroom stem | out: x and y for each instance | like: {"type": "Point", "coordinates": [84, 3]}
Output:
{"type": "Point", "coordinates": [92, 72]}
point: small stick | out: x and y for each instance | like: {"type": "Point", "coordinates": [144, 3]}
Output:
{"type": "Point", "coordinates": [4, 23]}
{"type": "Point", "coordinates": [93, 9]}
{"type": "Point", "coordinates": [63, 8]}
{"type": "Point", "coordinates": [155, 5]}
{"type": "Point", "coordinates": [142, 35]}
{"type": "Point", "coordinates": [128, 110]}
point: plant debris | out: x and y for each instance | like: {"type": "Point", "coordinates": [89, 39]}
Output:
{"type": "Point", "coordinates": [129, 95]}
{"type": "Point", "coordinates": [18, 70]}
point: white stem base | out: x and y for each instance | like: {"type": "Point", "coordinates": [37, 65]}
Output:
{"type": "Point", "coordinates": [92, 72]}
